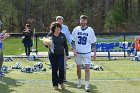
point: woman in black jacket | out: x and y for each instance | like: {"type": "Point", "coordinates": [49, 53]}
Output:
{"type": "Point", "coordinates": [57, 49]}
{"type": "Point", "coordinates": [27, 40]}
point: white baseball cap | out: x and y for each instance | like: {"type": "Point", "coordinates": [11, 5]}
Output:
{"type": "Point", "coordinates": [59, 17]}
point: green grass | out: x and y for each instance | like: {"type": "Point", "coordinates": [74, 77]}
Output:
{"type": "Point", "coordinates": [119, 76]}
{"type": "Point", "coordinates": [14, 46]}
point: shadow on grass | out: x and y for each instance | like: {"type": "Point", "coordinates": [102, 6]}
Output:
{"type": "Point", "coordinates": [122, 76]}
{"type": "Point", "coordinates": [64, 91]}
{"type": "Point", "coordinates": [36, 60]}
{"type": "Point", "coordinates": [6, 83]}
{"type": "Point", "coordinates": [93, 88]}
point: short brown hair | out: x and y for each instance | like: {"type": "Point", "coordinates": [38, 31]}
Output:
{"type": "Point", "coordinates": [54, 25]}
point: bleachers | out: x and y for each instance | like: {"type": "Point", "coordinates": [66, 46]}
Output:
{"type": "Point", "coordinates": [115, 47]}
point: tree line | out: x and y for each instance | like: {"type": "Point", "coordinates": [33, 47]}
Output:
{"type": "Point", "coordinates": [103, 15]}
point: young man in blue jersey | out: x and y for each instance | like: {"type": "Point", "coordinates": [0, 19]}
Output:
{"type": "Point", "coordinates": [3, 35]}
{"type": "Point", "coordinates": [83, 42]}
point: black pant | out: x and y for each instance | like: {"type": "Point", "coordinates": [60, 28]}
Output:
{"type": "Point", "coordinates": [27, 50]}
{"type": "Point", "coordinates": [57, 63]}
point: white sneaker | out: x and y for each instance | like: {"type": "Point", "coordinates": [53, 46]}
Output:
{"type": "Point", "coordinates": [79, 84]}
{"type": "Point", "coordinates": [87, 88]}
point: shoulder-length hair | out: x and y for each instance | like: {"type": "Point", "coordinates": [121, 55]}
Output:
{"type": "Point", "coordinates": [54, 25]}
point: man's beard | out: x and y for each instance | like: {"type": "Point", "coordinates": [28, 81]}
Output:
{"type": "Point", "coordinates": [83, 25]}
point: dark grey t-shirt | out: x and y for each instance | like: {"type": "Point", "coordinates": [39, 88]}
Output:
{"type": "Point", "coordinates": [60, 44]}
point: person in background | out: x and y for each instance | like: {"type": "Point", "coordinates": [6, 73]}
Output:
{"type": "Point", "coordinates": [83, 42]}
{"type": "Point", "coordinates": [27, 39]}
{"type": "Point", "coordinates": [66, 31]}
{"type": "Point", "coordinates": [58, 48]}
{"type": "Point", "coordinates": [3, 35]}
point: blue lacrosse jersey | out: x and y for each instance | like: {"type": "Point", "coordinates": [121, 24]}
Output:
{"type": "Point", "coordinates": [0, 45]}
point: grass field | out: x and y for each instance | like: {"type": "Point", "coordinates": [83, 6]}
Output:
{"type": "Point", "coordinates": [14, 46]}
{"type": "Point", "coordinates": [119, 76]}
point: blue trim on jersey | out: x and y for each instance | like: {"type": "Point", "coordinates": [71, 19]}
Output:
{"type": "Point", "coordinates": [0, 45]}
{"type": "Point", "coordinates": [84, 28]}
{"type": "Point", "coordinates": [84, 53]}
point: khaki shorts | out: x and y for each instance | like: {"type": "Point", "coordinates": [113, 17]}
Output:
{"type": "Point", "coordinates": [83, 59]}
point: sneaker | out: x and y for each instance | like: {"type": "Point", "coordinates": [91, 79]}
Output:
{"type": "Point", "coordinates": [87, 88]}
{"type": "Point", "coordinates": [2, 74]}
{"type": "Point", "coordinates": [62, 86]}
{"type": "Point", "coordinates": [55, 87]}
{"type": "Point", "coordinates": [79, 84]}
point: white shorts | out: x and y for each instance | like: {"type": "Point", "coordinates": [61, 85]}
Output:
{"type": "Point", "coordinates": [83, 59]}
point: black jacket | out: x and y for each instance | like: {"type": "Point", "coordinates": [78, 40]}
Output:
{"type": "Point", "coordinates": [60, 44]}
{"type": "Point", "coordinates": [28, 38]}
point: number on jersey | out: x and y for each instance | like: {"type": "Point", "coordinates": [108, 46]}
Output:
{"type": "Point", "coordinates": [82, 40]}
